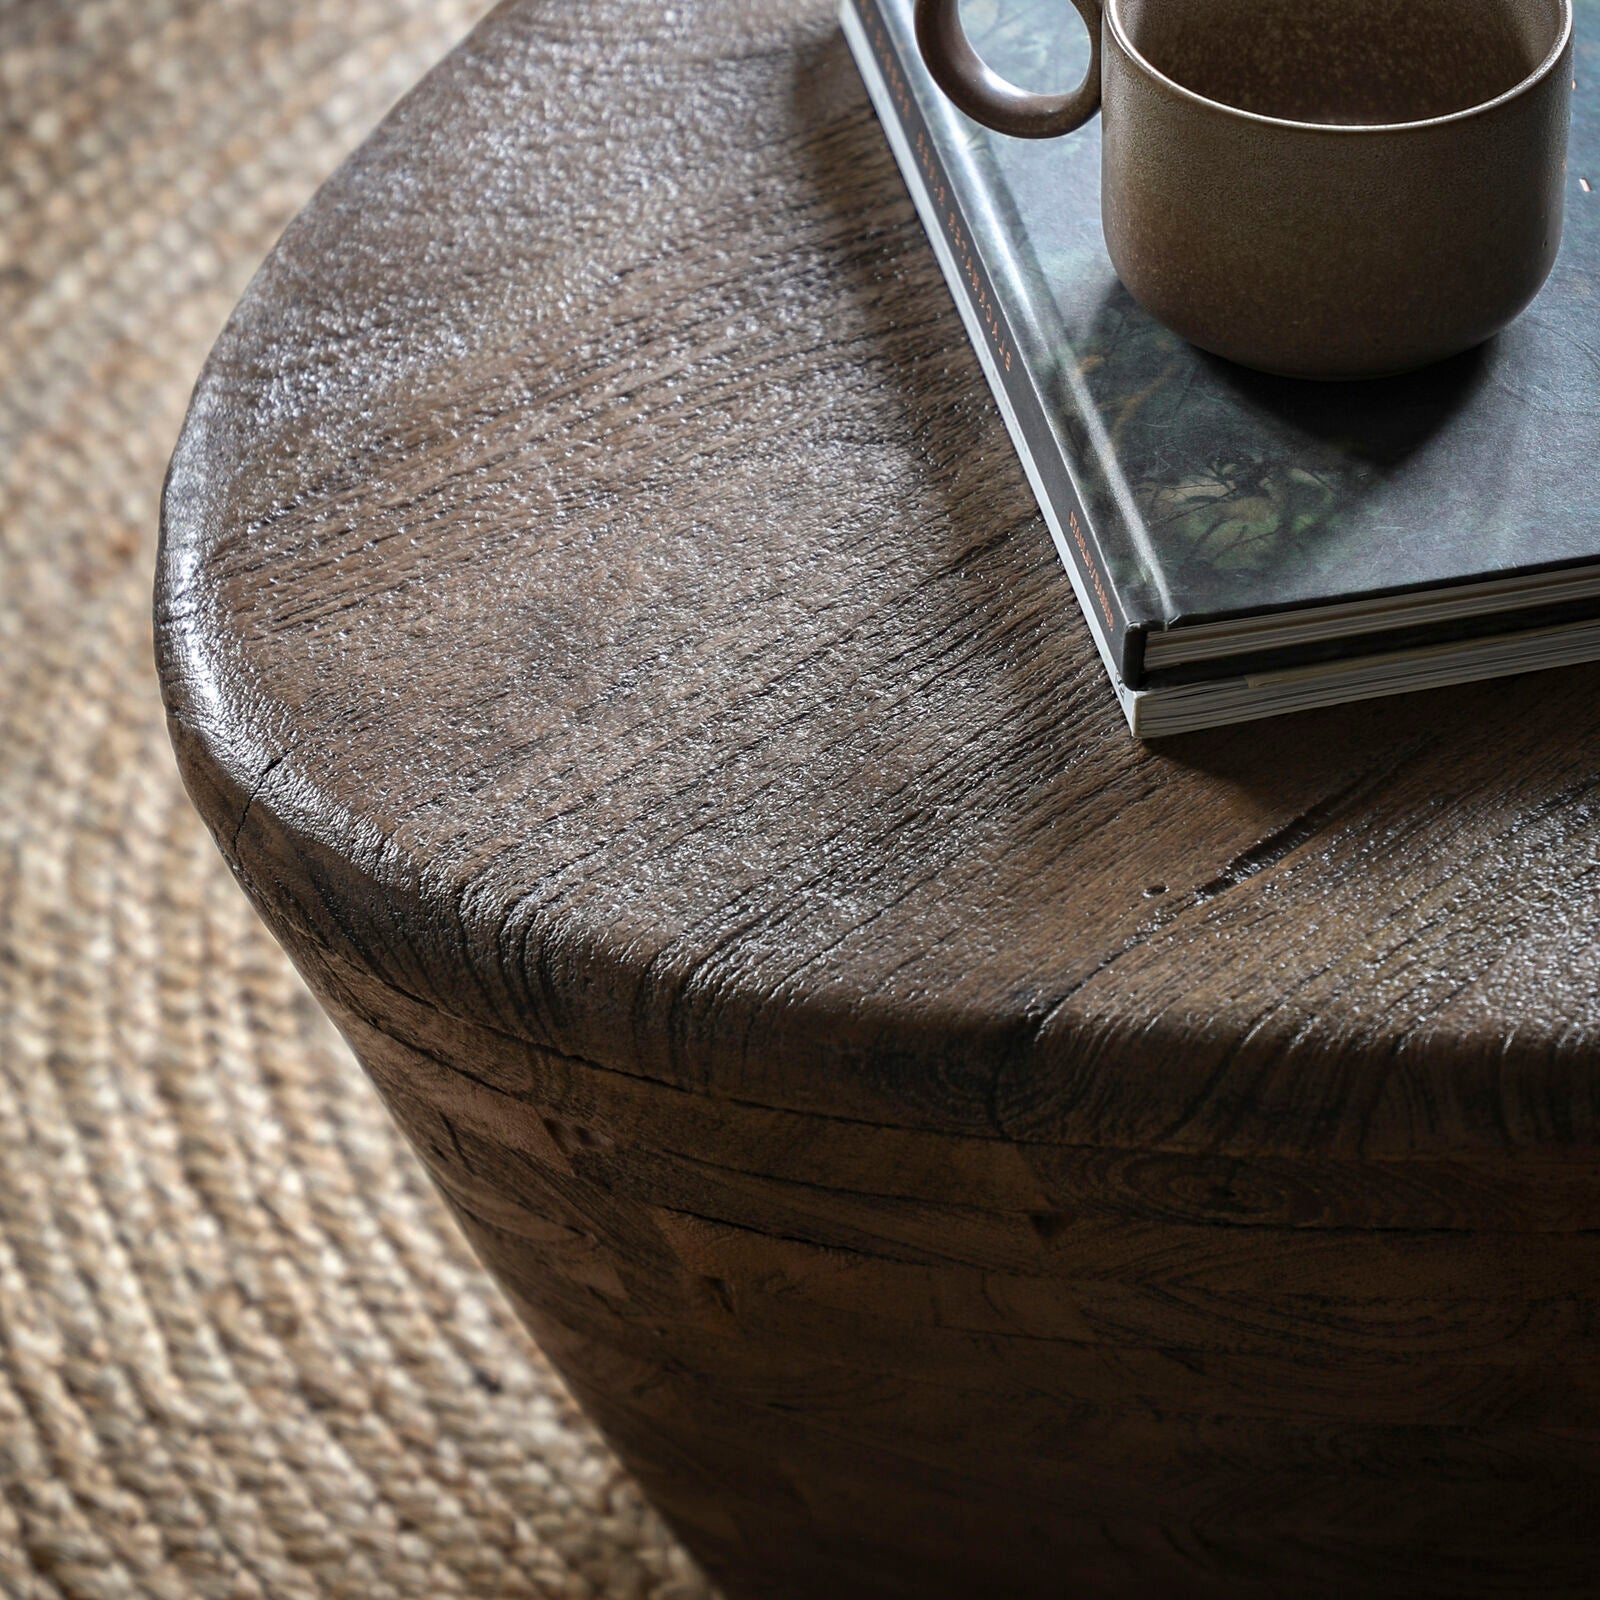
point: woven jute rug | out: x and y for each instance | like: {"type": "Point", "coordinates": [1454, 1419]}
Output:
{"type": "Point", "coordinates": [243, 1351]}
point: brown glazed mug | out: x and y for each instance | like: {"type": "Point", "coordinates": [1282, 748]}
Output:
{"type": "Point", "coordinates": [1317, 188]}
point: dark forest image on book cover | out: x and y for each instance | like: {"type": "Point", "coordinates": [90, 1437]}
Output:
{"type": "Point", "coordinates": [1210, 494]}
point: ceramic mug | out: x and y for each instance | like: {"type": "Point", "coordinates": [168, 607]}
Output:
{"type": "Point", "coordinates": [1317, 188]}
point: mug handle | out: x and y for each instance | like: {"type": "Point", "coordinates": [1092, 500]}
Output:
{"type": "Point", "coordinates": [985, 96]}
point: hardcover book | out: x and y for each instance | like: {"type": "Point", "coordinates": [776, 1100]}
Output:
{"type": "Point", "coordinates": [1243, 545]}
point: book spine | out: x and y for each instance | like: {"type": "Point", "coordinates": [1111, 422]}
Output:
{"type": "Point", "coordinates": [1019, 397]}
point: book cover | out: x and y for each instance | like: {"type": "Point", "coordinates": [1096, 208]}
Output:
{"type": "Point", "coordinates": [1413, 531]}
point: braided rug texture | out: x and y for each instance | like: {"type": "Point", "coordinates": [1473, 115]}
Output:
{"type": "Point", "coordinates": [243, 1351]}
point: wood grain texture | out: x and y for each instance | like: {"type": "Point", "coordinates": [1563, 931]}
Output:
{"type": "Point", "coordinates": [950, 1148]}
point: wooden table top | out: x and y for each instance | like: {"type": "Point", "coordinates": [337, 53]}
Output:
{"type": "Point", "coordinates": [600, 602]}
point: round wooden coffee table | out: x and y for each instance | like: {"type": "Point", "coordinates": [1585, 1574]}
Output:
{"type": "Point", "coordinates": [950, 1149]}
